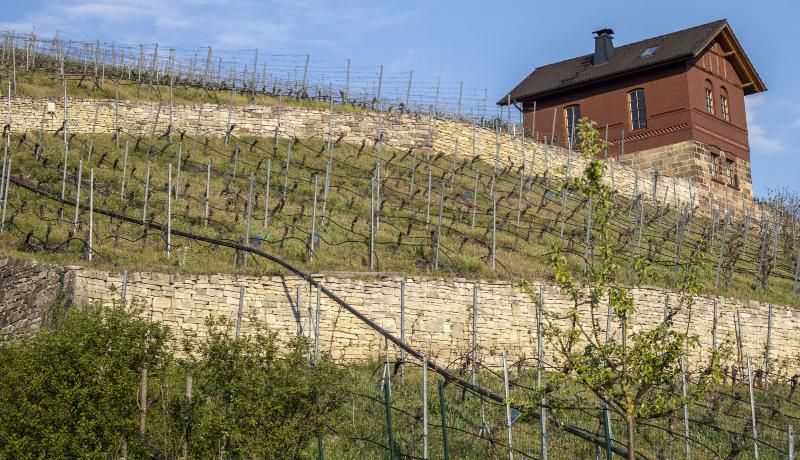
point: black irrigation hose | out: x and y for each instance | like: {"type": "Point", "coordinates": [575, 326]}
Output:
{"type": "Point", "coordinates": [450, 377]}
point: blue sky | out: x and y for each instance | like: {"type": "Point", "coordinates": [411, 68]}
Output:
{"type": "Point", "coordinates": [484, 44]}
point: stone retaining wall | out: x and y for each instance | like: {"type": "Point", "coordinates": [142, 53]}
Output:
{"type": "Point", "coordinates": [437, 312]}
{"type": "Point", "coordinates": [686, 187]}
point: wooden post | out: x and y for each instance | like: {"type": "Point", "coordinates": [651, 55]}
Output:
{"type": "Point", "coordinates": [91, 212]}
{"type": "Point", "coordinates": [143, 404]}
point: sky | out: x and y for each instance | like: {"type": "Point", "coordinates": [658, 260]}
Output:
{"type": "Point", "coordinates": [489, 45]}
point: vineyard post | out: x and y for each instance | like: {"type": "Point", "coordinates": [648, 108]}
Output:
{"type": "Point", "coordinates": [91, 211]}
{"type": "Point", "coordinates": [5, 193]}
{"type": "Point", "coordinates": [684, 391]}
{"type": "Point", "coordinates": [588, 240]}
{"type": "Point", "coordinates": [313, 221]}
{"type": "Point", "coordinates": [240, 310]}
{"type": "Point", "coordinates": [474, 332]}
{"type": "Point", "coordinates": [143, 404]}
{"type": "Point", "coordinates": [372, 224]}
{"type": "Point", "coordinates": [539, 371]}
{"type": "Point", "coordinates": [316, 326]}
{"type": "Point", "coordinates": [460, 94]}
{"type": "Point", "coordinates": [146, 193]}
{"type": "Point", "coordinates": [402, 329]}
{"type": "Point", "coordinates": [171, 114]}
{"type": "Point", "coordinates": [124, 172]}
{"type": "Point", "coordinates": [266, 193]}
{"type": "Point", "coordinates": [116, 112]}
{"type": "Point", "coordinates": [790, 436]}
{"type": "Point", "coordinates": [521, 187]}
{"type": "Point", "coordinates": [475, 197]}
{"type": "Point", "coordinates": [768, 346]}
{"type": "Point", "coordinates": [169, 209]}
{"type": "Point", "coordinates": [442, 413]}
{"type": "Point", "coordinates": [494, 229]}
{"type": "Point", "coordinates": [230, 109]}
{"type": "Point", "coordinates": [346, 94]}
{"type": "Point", "coordinates": [408, 90]}
{"type": "Point", "coordinates": [248, 217]}
{"type": "Point", "coordinates": [94, 131]}
{"type": "Point", "coordinates": [40, 146]}
{"type": "Point", "coordinates": [124, 289]}
{"type": "Point", "coordinates": [411, 174]}
{"type": "Point", "coordinates": [428, 204]}
{"type": "Point", "coordinates": [387, 399]}
{"type": "Point", "coordinates": [235, 164]}
{"type": "Point", "coordinates": [507, 392]}
{"type": "Point", "coordinates": [328, 166]}
{"type": "Point", "coordinates": [752, 407]}
{"type": "Point", "coordinates": [66, 146]}
{"type": "Point", "coordinates": [78, 195]}
{"type": "Point", "coordinates": [439, 228]}
{"type": "Point", "coordinates": [208, 193]}
{"type": "Point", "coordinates": [178, 170]}
{"type": "Point", "coordinates": [425, 408]}
{"type": "Point", "coordinates": [286, 170]}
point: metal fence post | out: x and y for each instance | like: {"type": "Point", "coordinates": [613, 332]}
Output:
{"type": "Point", "coordinates": [752, 407]}
{"type": "Point", "coordinates": [91, 211]}
{"type": "Point", "coordinates": [425, 408]}
{"type": "Point", "coordinates": [507, 390]}
{"type": "Point", "coordinates": [387, 399]}
{"type": "Point", "coordinates": [442, 407]}
{"type": "Point", "coordinates": [240, 311]}
{"type": "Point", "coordinates": [684, 390]}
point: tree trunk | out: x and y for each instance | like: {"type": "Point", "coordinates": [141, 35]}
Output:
{"type": "Point", "coordinates": [630, 424]}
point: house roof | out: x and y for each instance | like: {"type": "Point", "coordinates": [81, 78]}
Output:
{"type": "Point", "coordinates": [627, 59]}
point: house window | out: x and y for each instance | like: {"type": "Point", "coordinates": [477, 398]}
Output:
{"type": "Point", "coordinates": [723, 105]}
{"type": "Point", "coordinates": [714, 167]}
{"type": "Point", "coordinates": [637, 109]}
{"type": "Point", "coordinates": [730, 174]}
{"type": "Point", "coordinates": [709, 98]}
{"type": "Point", "coordinates": [573, 114]}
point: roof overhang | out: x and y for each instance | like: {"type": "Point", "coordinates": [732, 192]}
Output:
{"type": "Point", "coordinates": [751, 81]}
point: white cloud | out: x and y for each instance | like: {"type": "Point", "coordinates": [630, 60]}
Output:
{"type": "Point", "coordinates": [279, 25]}
{"type": "Point", "coordinates": [762, 140]}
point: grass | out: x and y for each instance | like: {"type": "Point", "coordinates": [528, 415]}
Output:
{"type": "Point", "coordinates": [406, 236]}
{"type": "Point", "coordinates": [41, 84]}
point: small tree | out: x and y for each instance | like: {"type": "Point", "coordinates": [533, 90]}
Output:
{"type": "Point", "coordinates": [634, 373]}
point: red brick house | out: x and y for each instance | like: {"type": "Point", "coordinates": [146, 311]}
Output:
{"type": "Point", "coordinates": [674, 103]}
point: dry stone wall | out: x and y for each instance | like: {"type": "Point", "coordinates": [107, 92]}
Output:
{"type": "Point", "coordinates": [399, 130]}
{"type": "Point", "coordinates": [27, 290]}
{"type": "Point", "coordinates": [437, 312]}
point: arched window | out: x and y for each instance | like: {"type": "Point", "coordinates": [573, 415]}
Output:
{"type": "Point", "coordinates": [572, 114]}
{"type": "Point", "coordinates": [637, 109]}
{"type": "Point", "coordinates": [723, 104]}
{"type": "Point", "coordinates": [709, 97]}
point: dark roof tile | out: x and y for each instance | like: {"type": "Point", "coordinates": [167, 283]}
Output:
{"type": "Point", "coordinates": [671, 47]}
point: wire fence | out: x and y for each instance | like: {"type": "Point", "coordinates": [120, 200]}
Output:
{"type": "Point", "coordinates": [249, 72]}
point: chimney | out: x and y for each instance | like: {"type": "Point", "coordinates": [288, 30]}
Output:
{"type": "Point", "coordinates": [603, 46]}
